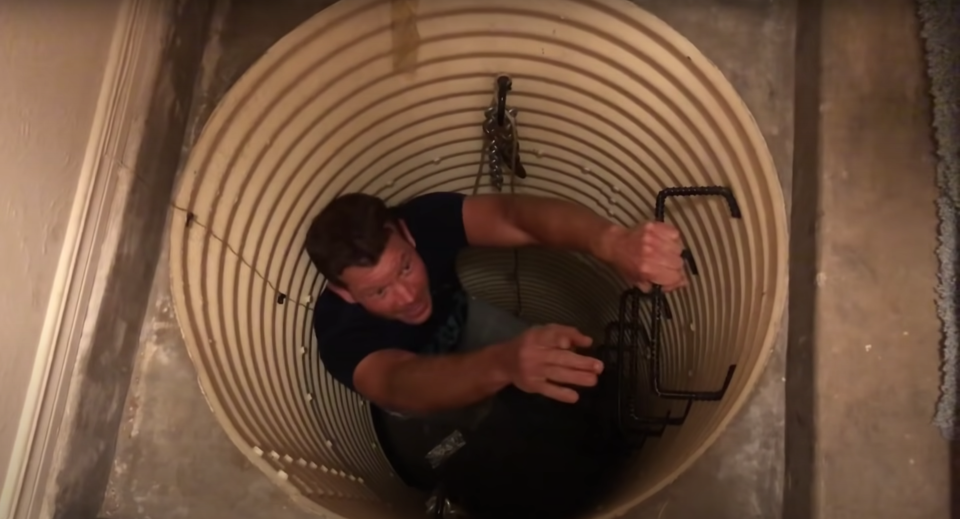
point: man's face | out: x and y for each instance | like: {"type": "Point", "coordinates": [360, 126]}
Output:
{"type": "Point", "coordinates": [396, 287]}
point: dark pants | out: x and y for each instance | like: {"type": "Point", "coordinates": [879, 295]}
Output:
{"type": "Point", "coordinates": [518, 454]}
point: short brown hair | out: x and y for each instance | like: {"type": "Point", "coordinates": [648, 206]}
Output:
{"type": "Point", "coordinates": [351, 231]}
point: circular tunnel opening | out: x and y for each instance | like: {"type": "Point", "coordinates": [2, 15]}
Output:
{"type": "Point", "coordinates": [611, 105]}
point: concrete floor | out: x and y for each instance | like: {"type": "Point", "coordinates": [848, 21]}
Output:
{"type": "Point", "coordinates": [877, 334]}
{"type": "Point", "coordinates": [173, 459]}
{"type": "Point", "coordinates": [871, 340]}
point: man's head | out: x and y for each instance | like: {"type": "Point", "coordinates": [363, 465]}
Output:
{"type": "Point", "coordinates": [368, 257]}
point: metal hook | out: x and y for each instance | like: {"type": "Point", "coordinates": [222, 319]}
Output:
{"type": "Point", "coordinates": [504, 85]}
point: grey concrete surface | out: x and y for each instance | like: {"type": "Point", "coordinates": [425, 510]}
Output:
{"type": "Point", "coordinates": [864, 338]}
{"type": "Point", "coordinates": [876, 340]}
{"type": "Point", "coordinates": [103, 373]}
{"type": "Point", "coordinates": [174, 461]}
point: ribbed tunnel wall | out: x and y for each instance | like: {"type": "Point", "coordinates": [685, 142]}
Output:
{"type": "Point", "coordinates": [613, 106]}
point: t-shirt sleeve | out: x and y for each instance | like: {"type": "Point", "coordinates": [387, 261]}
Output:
{"type": "Point", "coordinates": [436, 220]}
{"type": "Point", "coordinates": [344, 338]}
{"type": "Point", "coordinates": [342, 351]}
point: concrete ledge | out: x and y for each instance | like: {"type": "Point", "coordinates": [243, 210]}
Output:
{"type": "Point", "coordinates": [136, 213]}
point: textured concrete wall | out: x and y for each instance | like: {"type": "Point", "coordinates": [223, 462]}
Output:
{"type": "Point", "coordinates": [105, 369]}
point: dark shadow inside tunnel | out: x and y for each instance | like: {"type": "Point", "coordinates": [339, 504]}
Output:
{"type": "Point", "coordinates": [524, 455]}
{"type": "Point", "coordinates": [530, 457]}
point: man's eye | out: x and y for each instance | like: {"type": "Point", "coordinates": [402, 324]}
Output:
{"type": "Point", "coordinates": [406, 268]}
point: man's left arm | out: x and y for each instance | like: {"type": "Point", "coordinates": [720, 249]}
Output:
{"type": "Point", "coordinates": [648, 253]}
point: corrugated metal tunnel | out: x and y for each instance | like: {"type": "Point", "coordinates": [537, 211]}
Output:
{"type": "Point", "coordinates": [611, 107]}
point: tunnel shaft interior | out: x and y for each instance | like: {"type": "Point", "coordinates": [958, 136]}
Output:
{"type": "Point", "coordinates": [610, 107]}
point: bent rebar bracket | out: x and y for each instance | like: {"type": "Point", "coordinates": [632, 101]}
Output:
{"type": "Point", "coordinates": [500, 132]}
{"type": "Point", "coordinates": [658, 298]}
{"type": "Point", "coordinates": [631, 345]}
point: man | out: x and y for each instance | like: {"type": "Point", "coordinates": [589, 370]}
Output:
{"type": "Point", "coordinates": [395, 325]}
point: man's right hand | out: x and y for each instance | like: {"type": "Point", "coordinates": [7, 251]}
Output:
{"type": "Point", "coordinates": [541, 361]}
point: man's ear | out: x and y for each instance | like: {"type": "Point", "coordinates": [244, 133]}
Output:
{"type": "Point", "coordinates": [342, 292]}
{"type": "Point", "coordinates": [405, 232]}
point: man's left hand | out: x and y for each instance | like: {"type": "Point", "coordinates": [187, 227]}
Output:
{"type": "Point", "coordinates": [649, 254]}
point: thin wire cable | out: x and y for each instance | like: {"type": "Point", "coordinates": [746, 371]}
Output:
{"type": "Point", "coordinates": [192, 220]}
{"type": "Point", "coordinates": [513, 181]}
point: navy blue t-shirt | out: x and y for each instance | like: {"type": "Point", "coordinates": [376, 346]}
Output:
{"type": "Point", "coordinates": [346, 333]}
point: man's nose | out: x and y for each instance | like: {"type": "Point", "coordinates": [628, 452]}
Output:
{"type": "Point", "coordinates": [405, 294]}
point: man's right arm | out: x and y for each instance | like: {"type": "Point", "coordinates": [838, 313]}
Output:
{"type": "Point", "coordinates": [538, 361]}
{"type": "Point", "coordinates": [418, 384]}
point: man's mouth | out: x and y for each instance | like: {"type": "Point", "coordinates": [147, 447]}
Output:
{"type": "Point", "coordinates": [416, 309]}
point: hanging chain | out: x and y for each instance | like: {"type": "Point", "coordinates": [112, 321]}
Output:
{"type": "Point", "coordinates": [501, 153]}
